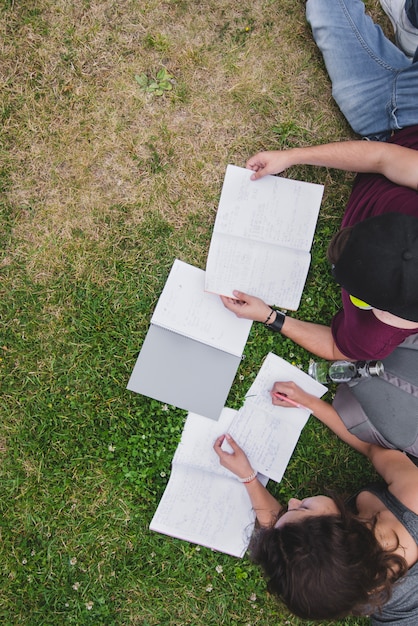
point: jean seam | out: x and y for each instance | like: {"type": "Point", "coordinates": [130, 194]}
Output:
{"type": "Point", "coordinates": [363, 43]}
{"type": "Point", "coordinates": [394, 102]}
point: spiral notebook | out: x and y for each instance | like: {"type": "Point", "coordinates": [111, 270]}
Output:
{"type": "Point", "coordinates": [193, 347]}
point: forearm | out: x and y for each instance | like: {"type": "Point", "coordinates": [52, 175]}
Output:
{"type": "Point", "coordinates": [397, 163]}
{"type": "Point", "coordinates": [393, 465]}
{"type": "Point", "coordinates": [323, 411]}
{"type": "Point", "coordinates": [266, 507]}
{"type": "Point", "coordinates": [316, 338]}
{"type": "Point", "coordinates": [351, 156]}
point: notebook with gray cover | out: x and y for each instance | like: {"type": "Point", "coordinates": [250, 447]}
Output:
{"type": "Point", "coordinates": [193, 347]}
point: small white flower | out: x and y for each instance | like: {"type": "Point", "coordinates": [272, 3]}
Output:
{"type": "Point", "coordinates": [89, 605]}
{"type": "Point", "coordinates": [73, 560]}
{"type": "Point", "coordinates": [241, 377]}
{"type": "Point", "coordinates": [164, 407]}
{"type": "Point", "coordinates": [219, 569]}
{"type": "Point", "coordinates": [33, 553]}
{"type": "Point", "coordinates": [111, 447]}
{"type": "Point", "coordinates": [209, 588]}
{"type": "Point", "coordinates": [162, 474]}
{"type": "Point", "coordinates": [24, 561]}
{"type": "Point", "coordinates": [66, 605]}
{"type": "Point", "coordinates": [197, 548]}
{"type": "Point", "coordinates": [76, 586]}
{"type": "Point", "coordinates": [253, 597]}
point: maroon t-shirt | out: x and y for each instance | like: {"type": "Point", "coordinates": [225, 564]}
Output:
{"type": "Point", "coordinates": [358, 333]}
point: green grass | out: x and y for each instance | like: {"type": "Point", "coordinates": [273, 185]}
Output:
{"type": "Point", "coordinates": [103, 184]}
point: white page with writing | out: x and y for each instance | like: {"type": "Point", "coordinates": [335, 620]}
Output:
{"type": "Point", "coordinates": [273, 209]}
{"type": "Point", "coordinates": [203, 502]}
{"type": "Point", "coordinates": [268, 437]}
{"type": "Point", "coordinates": [212, 511]}
{"type": "Point", "coordinates": [266, 432]}
{"type": "Point", "coordinates": [275, 369]}
{"type": "Point", "coordinates": [184, 307]}
{"type": "Point", "coordinates": [197, 439]}
{"type": "Point", "coordinates": [196, 445]}
{"type": "Point", "coordinates": [276, 275]}
{"type": "Point", "coordinates": [257, 225]}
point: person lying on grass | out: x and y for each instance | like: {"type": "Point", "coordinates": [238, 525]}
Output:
{"type": "Point", "coordinates": [375, 256]}
{"type": "Point", "coordinates": [326, 558]}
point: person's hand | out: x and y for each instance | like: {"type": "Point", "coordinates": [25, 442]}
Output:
{"type": "Point", "coordinates": [237, 461]}
{"type": "Point", "coordinates": [292, 391]}
{"type": "Point", "coordinates": [248, 307]}
{"type": "Point", "coordinates": [272, 162]}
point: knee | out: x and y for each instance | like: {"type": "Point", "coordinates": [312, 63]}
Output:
{"type": "Point", "coordinates": [315, 10]}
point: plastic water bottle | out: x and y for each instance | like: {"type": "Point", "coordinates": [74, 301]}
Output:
{"type": "Point", "coordinates": [344, 371]}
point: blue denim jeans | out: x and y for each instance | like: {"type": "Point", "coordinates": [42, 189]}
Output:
{"type": "Point", "coordinates": [373, 82]}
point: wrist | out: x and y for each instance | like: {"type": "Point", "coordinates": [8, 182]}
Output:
{"type": "Point", "coordinates": [248, 479]}
{"type": "Point", "coordinates": [269, 316]}
{"type": "Point", "coordinates": [296, 156]}
{"type": "Point", "coordinates": [275, 320]}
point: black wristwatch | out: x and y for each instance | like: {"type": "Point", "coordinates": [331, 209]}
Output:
{"type": "Point", "coordinates": [277, 325]}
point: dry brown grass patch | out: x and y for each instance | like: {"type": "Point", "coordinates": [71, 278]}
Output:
{"type": "Point", "coordinates": [85, 138]}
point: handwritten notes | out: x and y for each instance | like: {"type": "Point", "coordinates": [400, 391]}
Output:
{"type": "Point", "coordinates": [184, 307]}
{"type": "Point", "coordinates": [262, 236]}
{"type": "Point", "coordinates": [212, 513]}
{"type": "Point", "coordinates": [266, 432]}
{"type": "Point", "coordinates": [204, 503]}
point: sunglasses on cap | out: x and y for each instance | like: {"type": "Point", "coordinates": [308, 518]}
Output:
{"type": "Point", "coordinates": [360, 304]}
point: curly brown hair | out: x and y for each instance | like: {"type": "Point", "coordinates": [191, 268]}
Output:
{"type": "Point", "coordinates": [328, 566]}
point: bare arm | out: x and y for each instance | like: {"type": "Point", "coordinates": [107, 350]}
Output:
{"type": "Point", "coordinates": [266, 507]}
{"type": "Point", "coordinates": [397, 470]}
{"type": "Point", "coordinates": [316, 338]}
{"type": "Point", "coordinates": [397, 163]}
{"type": "Point", "coordinates": [322, 410]}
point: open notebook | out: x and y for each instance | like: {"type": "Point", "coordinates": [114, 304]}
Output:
{"type": "Point", "coordinates": [262, 237]}
{"type": "Point", "coordinates": [193, 347]}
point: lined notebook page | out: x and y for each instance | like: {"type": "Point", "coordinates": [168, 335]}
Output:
{"type": "Point", "coordinates": [184, 307]}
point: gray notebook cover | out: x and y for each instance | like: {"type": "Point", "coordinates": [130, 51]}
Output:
{"type": "Point", "coordinates": [183, 372]}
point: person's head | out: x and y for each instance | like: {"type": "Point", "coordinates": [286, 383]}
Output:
{"type": "Point", "coordinates": [324, 563]}
{"type": "Point", "coordinates": [376, 261]}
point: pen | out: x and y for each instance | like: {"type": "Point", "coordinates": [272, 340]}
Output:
{"type": "Point", "coordinates": [281, 396]}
